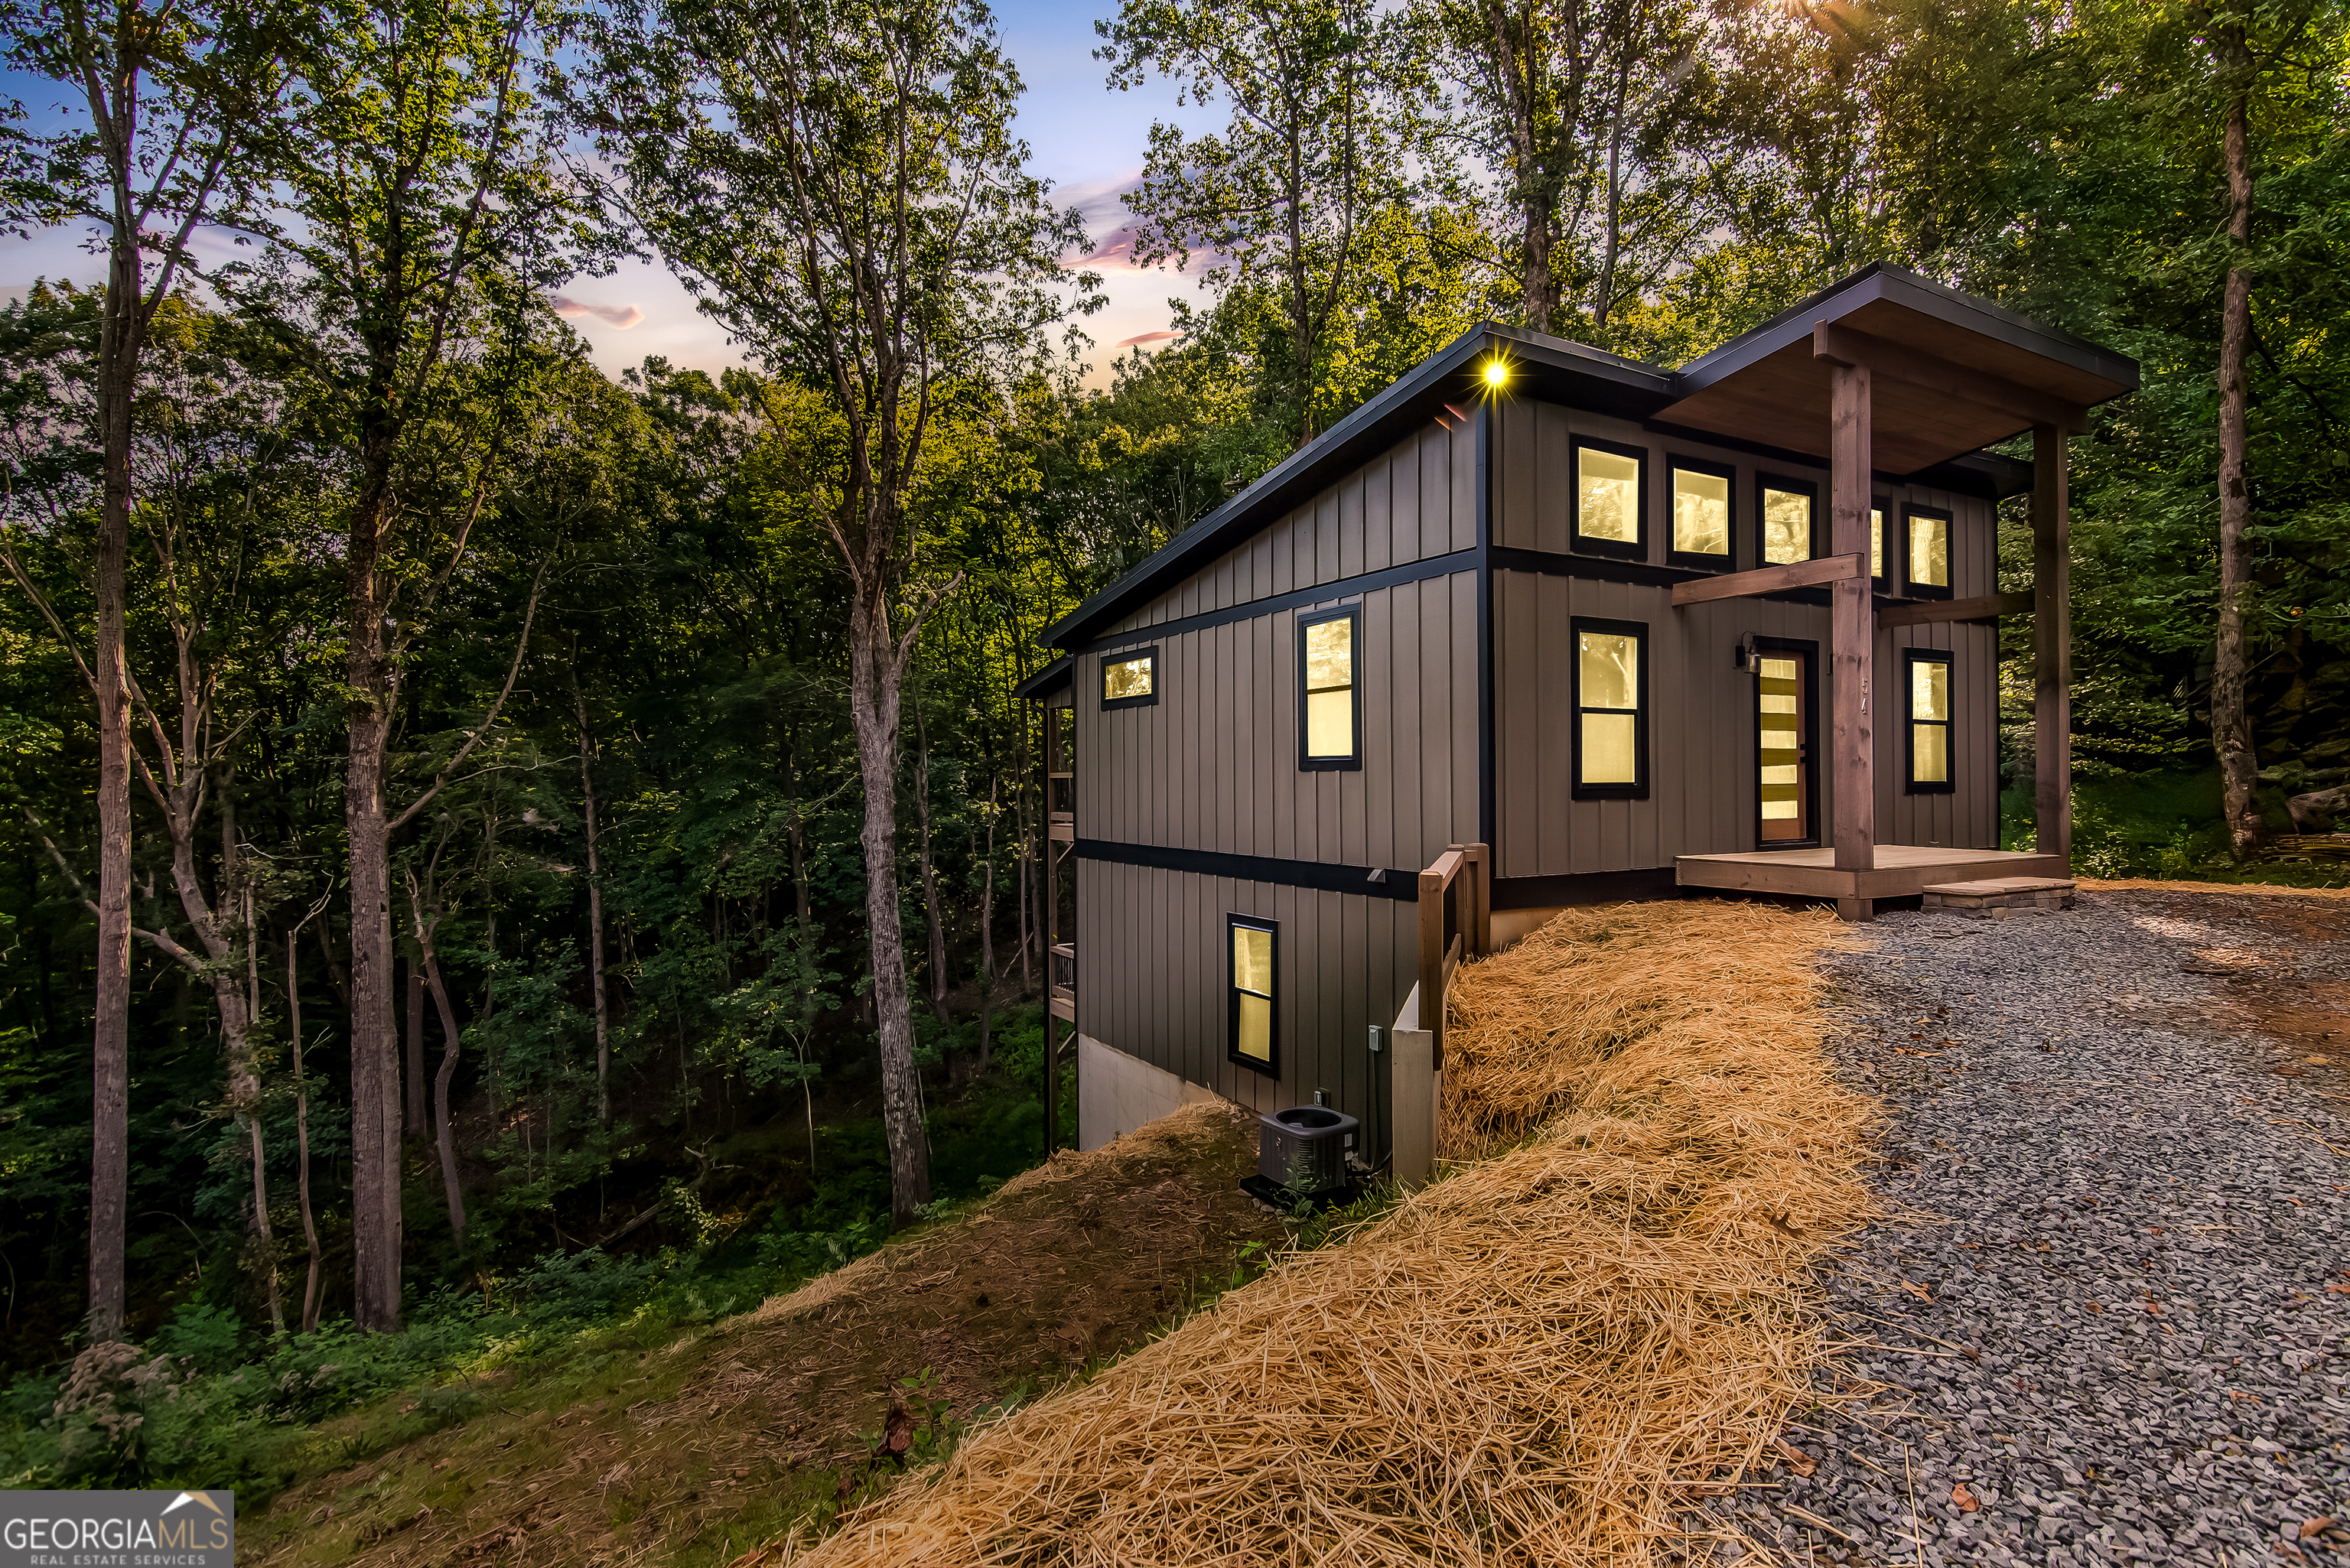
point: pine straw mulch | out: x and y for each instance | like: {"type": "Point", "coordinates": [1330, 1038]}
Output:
{"type": "Point", "coordinates": [1601, 1313]}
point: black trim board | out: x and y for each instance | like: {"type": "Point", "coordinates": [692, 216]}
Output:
{"type": "Point", "coordinates": [1585, 887]}
{"type": "Point", "coordinates": [1052, 677]}
{"type": "Point", "coordinates": [1444, 565]}
{"type": "Point", "coordinates": [1403, 887]}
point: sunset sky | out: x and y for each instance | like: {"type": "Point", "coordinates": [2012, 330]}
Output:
{"type": "Point", "coordinates": [1087, 139]}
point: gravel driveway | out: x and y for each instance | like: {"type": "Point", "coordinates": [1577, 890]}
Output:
{"type": "Point", "coordinates": [2105, 1321]}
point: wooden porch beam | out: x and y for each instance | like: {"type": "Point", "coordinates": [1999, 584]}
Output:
{"type": "Point", "coordinates": [2052, 643]}
{"type": "Point", "coordinates": [1926, 612]}
{"type": "Point", "coordinates": [1774, 579]}
{"type": "Point", "coordinates": [1845, 345]}
{"type": "Point", "coordinates": [1852, 632]}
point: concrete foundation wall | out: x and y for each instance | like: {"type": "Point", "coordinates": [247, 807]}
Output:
{"type": "Point", "coordinates": [1117, 1092]}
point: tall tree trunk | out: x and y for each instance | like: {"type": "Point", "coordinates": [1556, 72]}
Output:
{"type": "Point", "coordinates": [2231, 724]}
{"type": "Point", "coordinates": [445, 1134]}
{"type": "Point", "coordinates": [120, 337]}
{"type": "Point", "coordinates": [375, 1078]}
{"type": "Point", "coordinates": [316, 1284]}
{"type": "Point", "coordinates": [1027, 974]}
{"type": "Point", "coordinates": [266, 1263]}
{"type": "Point", "coordinates": [595, 911]}
{"type": "Point", "coordinates": [876, 677]}
{"type": "Point", "coordinates": [1613, 239]}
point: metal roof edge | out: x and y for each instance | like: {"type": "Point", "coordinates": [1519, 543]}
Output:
{"type": "Point", "coordinates": [1052, 677]}
{"type": "Point", "coordinates": [1884, 280]}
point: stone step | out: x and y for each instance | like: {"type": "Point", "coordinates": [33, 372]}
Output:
{"type": "Point", "coordinates": [1997, 897]}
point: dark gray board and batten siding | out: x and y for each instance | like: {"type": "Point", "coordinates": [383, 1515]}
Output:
{"type": "Point", "coordinates": [1701, 796]}
{"type": "Point", "coordinates": [1212, 765]}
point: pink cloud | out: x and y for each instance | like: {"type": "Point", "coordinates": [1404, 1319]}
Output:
{"type": "Point", "coordinates": [1139, 338]}
{"type": "Point", "coordinates": [620, 317]}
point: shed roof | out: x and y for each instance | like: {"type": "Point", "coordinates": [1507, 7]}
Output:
{"type": "Point", "coordinates": [1764, 391]}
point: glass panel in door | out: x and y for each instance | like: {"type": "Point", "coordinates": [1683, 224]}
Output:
{"type": "Point", "coordinates": [1782, 757]}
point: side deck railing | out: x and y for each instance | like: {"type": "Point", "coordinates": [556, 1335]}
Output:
{"type": "Point", "coordinates": [1456, 921]}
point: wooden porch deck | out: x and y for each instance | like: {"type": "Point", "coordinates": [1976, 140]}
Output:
{"type": "Point", "coordinates": [1902, 870]}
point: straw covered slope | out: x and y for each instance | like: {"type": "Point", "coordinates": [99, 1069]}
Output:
{"type": "Point", "coordinates": [1539, 1358]}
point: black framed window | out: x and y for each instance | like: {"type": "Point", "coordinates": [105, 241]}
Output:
{"type": "Point", "coordinates": [1786, 521]}
{"type": "Point", "coordinates": [1329, 689]}
{"type": "Point", "coordinates": [1610, 693]}
{"type": "Point", "coordinates": [1928, 554]}
{"type": "Point", "coordinates": [1926, 676]}
{"type": "Point", "coordinates": [1252, 949]}
{"type": "Point", "coordinates": [1877, 579]}
{"type": "Point", "coordinates": [1130, 679]}
{"type": "Point", "coordinates": [1703, 495]}
{"type": "Point", "coordinates": [1611, 498]}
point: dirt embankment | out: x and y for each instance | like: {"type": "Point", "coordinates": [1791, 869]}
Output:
{"type": "Point", "coordinates": [687, 1453]}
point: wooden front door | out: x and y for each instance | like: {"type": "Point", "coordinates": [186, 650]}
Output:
{"type": "Point", "coordinates": [1782, 753]}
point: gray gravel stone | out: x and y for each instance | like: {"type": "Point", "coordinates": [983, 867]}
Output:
{"type": "Point", "coordinates": [2114, 1274]}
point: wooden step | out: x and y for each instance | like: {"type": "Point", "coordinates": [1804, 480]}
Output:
{"type": "Point", "coordinates": [1997, 897]}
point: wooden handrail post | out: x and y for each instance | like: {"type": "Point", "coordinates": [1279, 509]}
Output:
{"type": "Point", "coordinates": [1431, 959]}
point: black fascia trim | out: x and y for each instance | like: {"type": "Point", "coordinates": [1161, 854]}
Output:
{"type": "Point", "coordinates": [1645, 886]}
{"type": "Point", "coordinates": [1488, 812]}
{"type": "Point", "coordinates": [1638, 631]}
{"type": "Point", "coordinates": [1910, 659]}
{"type": "Point", "coordinates": [1552, 563]}
{"type": "Point", "coordinates": [1809, 739]}
{"type": "Point", "coordinates": [1985, 475]}
{"type": "Point", "coordinates": [1445, 566]}
{"type": "Point", "coordinates": [1898, 286]}
{"type": "Point", "coordinates": [1314, 876]}
{"type": "Point", "coordinates": [1271, 1065]}
{"type": "Point", "coordinates": [1691, 560]}
{"type": "Point", "coordinates": [1638, 550]}
{"type": "Point", "coordinates": [1127, 656]}
{"type": "Point", "coordinates": [1790, 485]}
{"type": "Point", "coordinates": [1353, 762]}
{"type": "Point", "coordinates": [1060, 672]}
{"type": "Point", "coordinates": [1949, 548]}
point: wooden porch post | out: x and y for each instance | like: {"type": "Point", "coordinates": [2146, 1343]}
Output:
{"type": "Point", "coordinates": [2052, 643]}
{"type": "Point", "coordinates": [1852, 634]}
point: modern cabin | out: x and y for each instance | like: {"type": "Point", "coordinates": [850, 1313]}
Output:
{"type": "Point", "coordinates": [1540, 626]}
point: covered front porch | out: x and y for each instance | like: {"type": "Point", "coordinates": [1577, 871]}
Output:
{"type": "Point", "coordinates": [1897, 871]}
{"type": "Point", "coordinates": [1888, 374]}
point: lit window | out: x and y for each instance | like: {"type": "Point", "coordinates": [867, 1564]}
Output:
{"type": "Point", "coordinates": [1702, 513]}
{"type": "Point", "coordinates": [1251, 944]}
{"type": "Point", "coordinates": [1607, 511]}
{"type": "Point", "coordinates": [1610, 709]}
{"type": "Point", "coordinates": [1130, 681]}
{"type": "Point", "coordinates": [1779, 716]}
{"type": "Point", "coordinates": [1876, 543]}
{"type": "Point", "coordinates": [1786, 524]}
{"type": "Point", "coordinates": [1929, 552]}
{"type": "Point", "coordinates": [1329, 714]}
{"type": "Point", "coordinates": [1929, 721]}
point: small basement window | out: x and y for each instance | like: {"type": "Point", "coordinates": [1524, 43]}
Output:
{"type": "Point", "coordinates": [1611, 512]}
{"type": "Point", "coordinates": [1786, 523]}
{"type": "Point", "coordinates": [1700, 515]}
{"type": "Point", "coordinates": [1611, 710]}
{"type": "Point", "coordinates": [1130, 679]}
{"type": "Point", "coordinates": [1330, 698]}
{"type": "Point", "coordinates": [1929, 721]}
{"type": "Point", "coordinates": [1930, 553]}
{"type": "Point", "coordinates": [1250, 944]}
